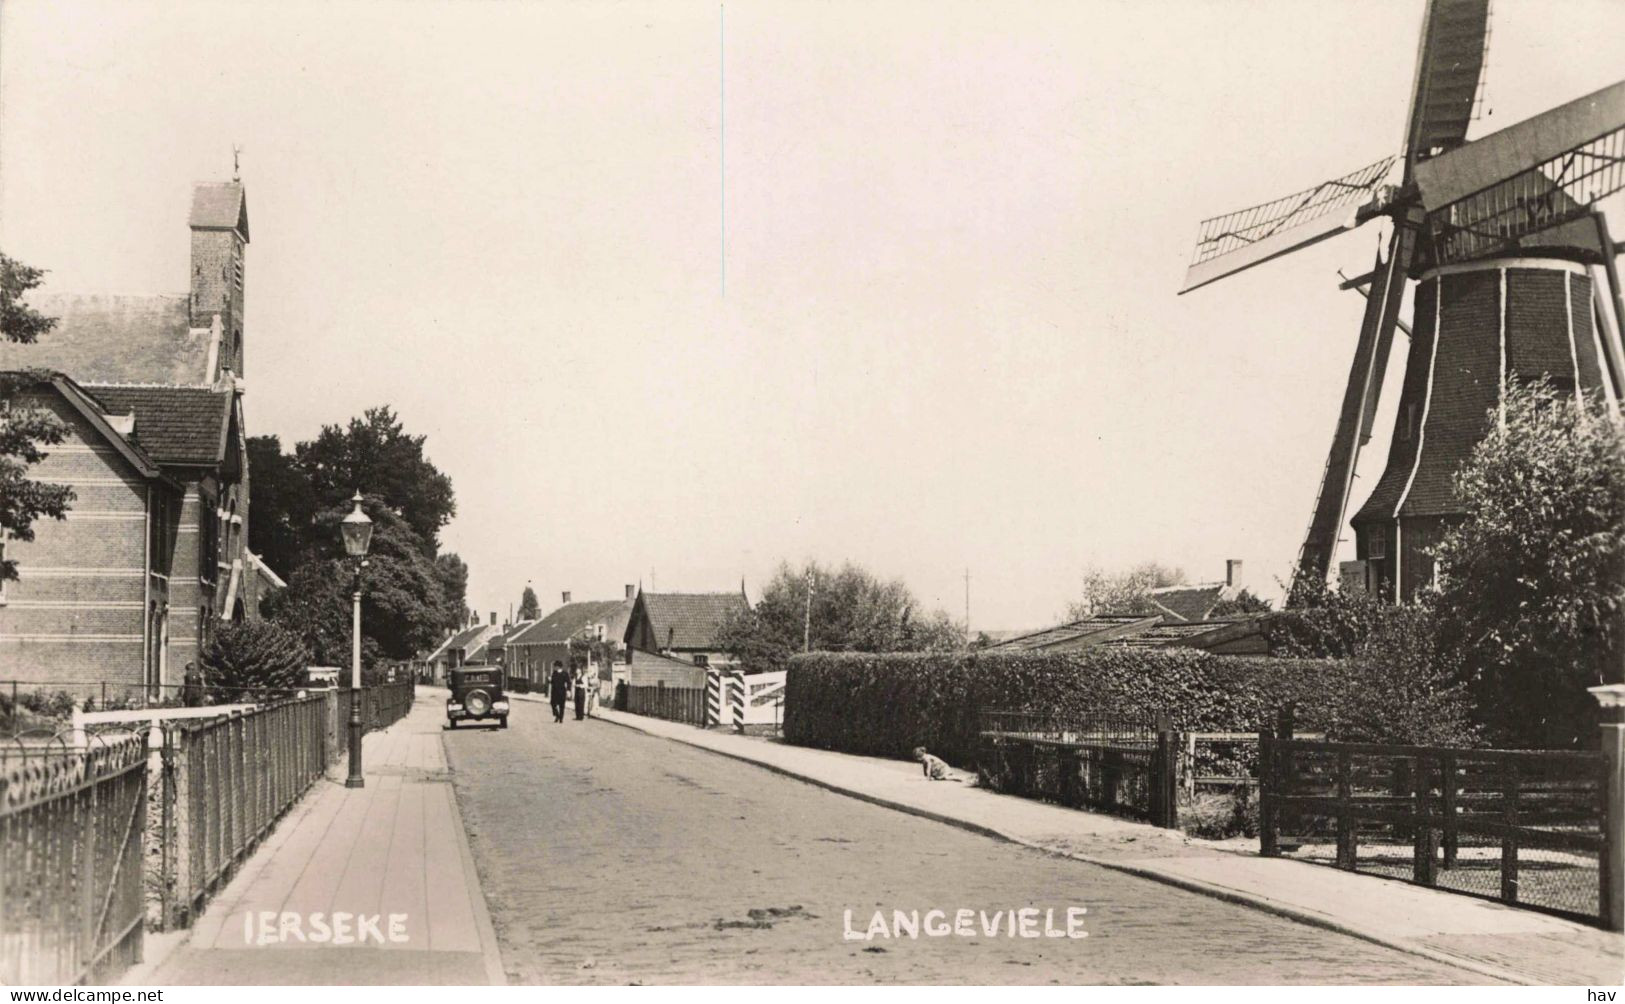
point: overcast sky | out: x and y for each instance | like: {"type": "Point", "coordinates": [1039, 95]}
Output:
{"type": "Point", "coordinates": [952, 236]}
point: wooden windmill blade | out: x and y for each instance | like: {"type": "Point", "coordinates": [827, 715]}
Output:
{"type": "Point", "coordinates": [1510, 187]}
{"type": "Point", "coordinates": [1239, 240]}
{"type": "Point", "coordinates": [1360, 395]}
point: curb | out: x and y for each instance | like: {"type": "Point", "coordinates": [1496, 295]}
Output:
{"type": "Point", "coordinates": [1236, 896]}
{"type": "Point", "coordinates": [492, 952]}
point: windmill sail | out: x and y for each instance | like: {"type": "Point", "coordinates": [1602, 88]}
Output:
{"type": "Point", "coordinates": [1450, 76]}
{"type": "Point", "coordinates": [1235, 241]}
{"type": "Point", "coordinates": [1359, 403]}
{"type": "Point", "coordinates": [1528, 178]}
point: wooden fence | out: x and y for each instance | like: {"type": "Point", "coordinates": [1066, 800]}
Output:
{"type": "Point", "coordinates": [1113, 764]}
{"type": "Point", "coordinates": [677, 704]}
{"type": "Point", "coordinates": [1520, 826]}
{"type": "Point", "coordinates": [71, 824]}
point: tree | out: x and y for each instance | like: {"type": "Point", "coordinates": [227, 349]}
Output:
{"type": "Point", "coordinates": [851, 611]}
{"type": "Point", "coordinates": [1532, 581]}
{"type": "Point", "coordinates": [453, 574]}
{"type": "Point", "coordinates": [403, 603]}
{"type": "Point", "coordinates": [24, 431]}
{"type": "Point", "coordinates": [529, 607]}
{"type": "Point", "coordinates": [1127, 592]}
{"type": "Point", "coordinates": [1244, 604]}
{"type": "Point", "coordinates": [254, 655]}
{"type": "Point", "coordinates": [375, 454]}
{"type": "Point", "coordinates": [282, 502]}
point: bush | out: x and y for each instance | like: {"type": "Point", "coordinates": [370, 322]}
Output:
{"type": "Point", "coordinates": [885, 705]}
{"type": "Point", "coordinates": [254, 655]}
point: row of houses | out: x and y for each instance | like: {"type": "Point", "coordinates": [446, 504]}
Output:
{"type": "Point", "coordinates": [641, 639]}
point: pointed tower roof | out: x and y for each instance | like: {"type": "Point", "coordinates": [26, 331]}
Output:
{"type": "Point", "coordinates": [219, 205]}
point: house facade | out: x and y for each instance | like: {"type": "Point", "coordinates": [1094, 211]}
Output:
{"type": "Point", "coordinates": [684, 625]}
{"type": "Point", "coordinates": [530, 653]}
{"type": "Point", "coordinates": [129, 587]}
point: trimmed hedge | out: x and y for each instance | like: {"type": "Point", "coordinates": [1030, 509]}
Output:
{"type": "Point", "coordinates": [885, 705]}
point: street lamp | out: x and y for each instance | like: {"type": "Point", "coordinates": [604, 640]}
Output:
{"type": "Point", "coordinates": [356, 529]}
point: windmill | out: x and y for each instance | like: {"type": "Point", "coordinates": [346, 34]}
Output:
{"type": "Point", "coordinates": [1515, 278]}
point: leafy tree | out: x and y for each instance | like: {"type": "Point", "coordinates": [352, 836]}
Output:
{"type": "Point", "coordinates": [375, 454]}
{"type": "Point", "coordinates": [1403, 686]}
{"type": "Point", "coordinates": [453, 574]}
{"type": "Point", "coordinates": [252, 655]}
{"type": "Point", "coordinates": [403, 603]}
{"type": "Point", "coordinates": [851, 611]}
{"type": "Point", "coordinates": [1245, 603]}
{"type": "Point", "coordinates": [1532, 581]}
{"type": "Point", "coordinates": [24, 431]}
{"type": "Point", "coordinates": [1127, 592]}
{"type": "Point", "coordinates": [529, 607]}
{"type": "Point", "coordinates": [282, 502]}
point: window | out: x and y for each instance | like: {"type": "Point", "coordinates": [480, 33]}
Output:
{"type": "Point", "coordinates": [1408, 430]}
{"type": "Point", "coordinates": [702, 660]}
{"type": "Point", "coordinates": [2, 564]}
{"type": "Point", "coordinates": [1376, 546]}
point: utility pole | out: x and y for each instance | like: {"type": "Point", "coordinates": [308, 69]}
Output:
{"type": "Point", "coordinates": [806, 625]}
{"type": "Point", "coordinates": [967, 605]}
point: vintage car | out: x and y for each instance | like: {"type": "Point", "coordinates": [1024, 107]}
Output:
{"type": "Point", "coordinates": [476, 695]}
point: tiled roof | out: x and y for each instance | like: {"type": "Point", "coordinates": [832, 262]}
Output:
{"type": "Point", "coordinates": [219, 205]}
{"type": "Point", "coordinates": [177, 425]}
{"type": "Point", "coordinates": [563, 624]}
{"type": "Point", "coordinates": [116, 339]}
{"type": "Point", "coordinates": [689, 620]}
{"type": "Point", "coordinates": [1191, 603]}
{"type": "Point", "coordinates": [1077, 634]}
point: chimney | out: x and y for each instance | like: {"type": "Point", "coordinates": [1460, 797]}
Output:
{"type": "Point", "coordinates": [631, 590]}
{"type": "Point", "coordinates": [493, 618]}
{"type": "Point", "coordinates": [567, 596]}
{"type": "Point", "coordinates": [1232, 572]}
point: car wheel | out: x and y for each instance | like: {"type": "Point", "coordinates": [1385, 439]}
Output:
{"type": "Point", "coordinates": [478, 703]}
{"type": "Point", "coordinates": [451, 723]}
{"type": "Point", "coordinates": [502, 722]}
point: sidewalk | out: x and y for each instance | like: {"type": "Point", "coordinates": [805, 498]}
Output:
{"type": "Point", "coordinates": [1487, 938]}
{"type": "Point", "coordinates": [396, 847]}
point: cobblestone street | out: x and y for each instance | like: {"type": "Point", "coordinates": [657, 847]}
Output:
{"type": "Point", "coordinates": [609, 856]}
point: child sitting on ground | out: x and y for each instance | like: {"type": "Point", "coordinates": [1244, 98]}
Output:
{"type": "Point", "coordinates": [935, 767]}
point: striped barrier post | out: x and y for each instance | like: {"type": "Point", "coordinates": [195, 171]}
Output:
{"type": "Point", "coordinates": [713, 697]}
{"type": "Point", "coordinates": [736, 698]}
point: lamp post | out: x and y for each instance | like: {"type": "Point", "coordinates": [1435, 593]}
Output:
{"type": "Point", "coordinates": [356, 529]}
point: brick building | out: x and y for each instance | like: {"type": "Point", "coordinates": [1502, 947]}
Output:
{"type": "Point", "coordinates": [683, 625]}
{"type": "Point", "coordinates": [129, 587]}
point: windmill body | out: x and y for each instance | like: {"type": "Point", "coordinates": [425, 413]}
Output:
{"type": "Point", "coordinates": [1515, 280]}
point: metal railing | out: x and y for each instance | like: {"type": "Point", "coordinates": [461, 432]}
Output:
{"type": "Point", "coordinates": [226, 781]}
{"type": "Point", "coordinates": [1120, 764]}
{"type": "Point", "coordinates": [71, 824]}
{"type": "Point", "coordinates": [1520, 826]}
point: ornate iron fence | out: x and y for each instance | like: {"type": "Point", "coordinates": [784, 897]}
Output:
{"type": "Point", "coordinates": [226, 783]}
{"type": "Point", "coordinates": [71, 824]}
{"type": "Point", "coordinates": [1118, 764]}
{"type": "Point", "coordinates": [1520, 826]}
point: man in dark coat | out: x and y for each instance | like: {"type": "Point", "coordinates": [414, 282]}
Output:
{"type": "Point", "coordinates": [558, 690]}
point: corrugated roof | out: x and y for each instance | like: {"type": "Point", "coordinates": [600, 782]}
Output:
{"type": "Point", "coordinates": [116, 339]}
{"type": "Point", "coordinates": [565, 622]}
{"type": "Point", "coordinates": [177, 425]}
{"type": "Point", "coordinates": [689, 620]}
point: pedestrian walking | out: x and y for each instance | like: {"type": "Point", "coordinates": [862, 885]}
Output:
{"type": "Point", "coordinates": [558, 690]}
{"type": "Point", "coordinates": [581, 695]}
